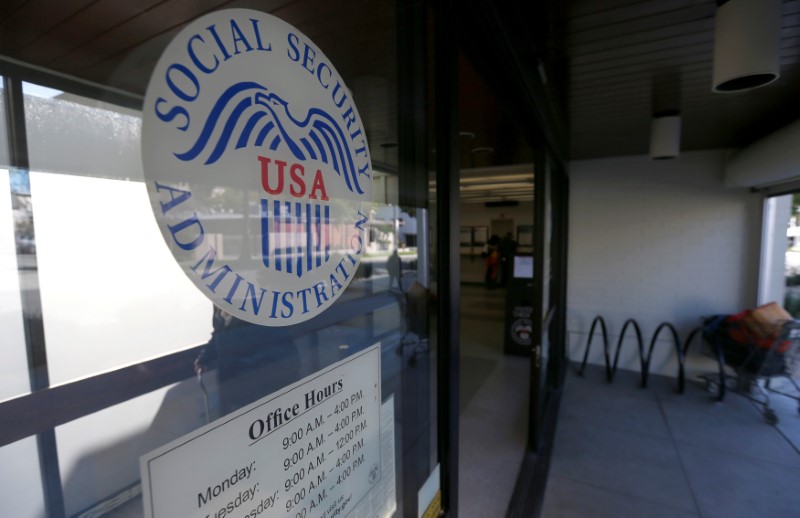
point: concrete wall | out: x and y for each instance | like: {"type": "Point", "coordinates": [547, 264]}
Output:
{"type": "Point", "coordinates": [657, 241]}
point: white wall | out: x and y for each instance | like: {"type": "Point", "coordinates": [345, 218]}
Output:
{"type": "Point", "coordinates": [769, 161]}
{"type": "Point", "coordinates": [657, 241]}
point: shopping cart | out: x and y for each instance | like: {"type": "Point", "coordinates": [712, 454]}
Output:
{"type": "Point", "coordinates": [762, 365]}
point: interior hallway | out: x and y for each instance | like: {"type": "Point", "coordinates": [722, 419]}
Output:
{"type": "Point", "coordinates": [494, 397]}
{"type": "Point", "coordinates": [622, 451]}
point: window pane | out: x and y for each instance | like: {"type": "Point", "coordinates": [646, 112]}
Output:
{"type": "Point", "coordinates": [71, 134]}
{"type": "Point", "coordinates": [99, 454]}
{"type": "Point", "coordinates": [4, 161]}
{"type": "Point", "coordinates": [21, 487]}
{"type": "Point", "coordinates": [111, 292]}
{"type": "Point", "coordinates": [14, 379]}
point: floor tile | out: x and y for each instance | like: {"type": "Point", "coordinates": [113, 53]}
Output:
{"type": "Point", "coordinates": [732, 486]}
{"type": "Point", "coordinates": [473, 375]}
{"type": "Point", "coordinates": [733, 426]}
{"type": "Point", "coordinates": [493, 412]}
{"type": "Point", "coordinates": [789, 427]}
{"type": "Point", "coordinates": [732, 463]}
{"type": "Point", "coordinates": [640, 466]}
{"type": "Point", "coordinates": [625, 408]}
{"type": "Point", "coordinates": [571, 499]}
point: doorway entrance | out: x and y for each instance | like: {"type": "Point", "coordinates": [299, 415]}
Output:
{"type": "Point", "coordinates": [496, 195]}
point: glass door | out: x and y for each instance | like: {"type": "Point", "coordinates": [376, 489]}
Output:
{"type": "Point", "coordinates": [110, 350]}
{"type": "Point", "coordinates": [548, 355]}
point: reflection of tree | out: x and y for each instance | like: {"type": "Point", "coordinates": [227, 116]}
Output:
{"type": "Point", "coordinates": [793, 219]}
{"type": "Point", "coordinates": [220, 200]}
{"type": "Point", "coordinates": [381, 233]}
{"type": "Point", "coordinates": [23, 222]}
{"type": "Point", "coordinates": [791, 298]}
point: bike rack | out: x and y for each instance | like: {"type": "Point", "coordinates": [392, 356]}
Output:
{"type": "Point", "coordinates": [644, 359]}
{"type": "Point", "coordinates": [597, 320]}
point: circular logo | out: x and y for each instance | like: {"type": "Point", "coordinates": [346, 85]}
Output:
{"type": "Point", "coordinates": [522, 331]}
{"type": "Point", "coordinates": [257, 167]}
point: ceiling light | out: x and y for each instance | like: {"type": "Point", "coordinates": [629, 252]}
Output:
{"type": "Point", "coordinates": [747, 40]}
{"type": "Point", "coordinates": [524, 177]}
{"type": "Point", "coordinates": [665, 135]}
{"type": "Point", "coordinates": [481, 150]}
{"type": "Point", "coordinates": [496, 186]}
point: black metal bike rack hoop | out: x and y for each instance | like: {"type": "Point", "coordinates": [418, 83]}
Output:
{"type": "Point", "coordinates": [597, 320]}
{"type": "Point", "coordinates": [644, 359]}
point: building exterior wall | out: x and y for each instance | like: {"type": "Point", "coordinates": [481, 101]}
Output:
{"type": "Point", "coordinates": [657, 241]}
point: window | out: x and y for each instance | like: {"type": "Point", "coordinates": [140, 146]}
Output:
{"type": "Point", "coordinates": [121, 323]}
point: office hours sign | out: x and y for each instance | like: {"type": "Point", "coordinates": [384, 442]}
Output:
{"type": "Point", "coordinates": [311, 449]}
{"type": "Point", "coordinates": [257, 167]}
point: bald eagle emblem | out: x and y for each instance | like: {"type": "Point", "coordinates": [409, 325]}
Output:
{"type": "Point", "coordinates": [249, 114]}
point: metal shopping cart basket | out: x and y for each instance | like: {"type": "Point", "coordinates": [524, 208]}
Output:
{"type": "Point", "coordinates": [762, 364]}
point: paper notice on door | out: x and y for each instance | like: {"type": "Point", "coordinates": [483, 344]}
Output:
{"type": "Point", "coordinates": [310, 449]}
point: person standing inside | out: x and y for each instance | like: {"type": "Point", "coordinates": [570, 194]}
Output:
{"type": "Point", "coordinates": [492, 262]}
{"type": "Point", "coordinates": [507, 250]}
{"type": "Point", "coordinates": [394, 265]}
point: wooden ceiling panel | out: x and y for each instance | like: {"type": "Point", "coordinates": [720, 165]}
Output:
{"type": "Point", "coordinates": [586, 88]}
{"type": "Point", "coordinates": [34, 19]}
{"type": "Point", "coordinates": [623, 41]}
{"type": "Point", "coordinates": [791, 7]}
{"type": "Point", "coordinates": [131, 70]}
{"type": "Point", "coordinates": [651, 60]}
{"type": "Point", "coordinates": [627, 14]}
{"type": "Point", "coordinates": [85, 25]}
{"type": "Point", "coordinates": [133, 32]}
{"type": "Point", "coordinates": [705, 10]}
{"type": "Point", "coordinates": [313, 15]}
{"type": "Point", "coordinates": [678, 44]}
{"type": "Point", "coordinates": [8, 7]}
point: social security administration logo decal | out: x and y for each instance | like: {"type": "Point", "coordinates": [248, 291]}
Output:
{"type": "Point", "coordinates": [257, 167]}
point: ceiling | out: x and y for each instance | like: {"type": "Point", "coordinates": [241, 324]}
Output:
{"type": "Point", "coordinates": [496, 161]}
{"type": "Point", "coordinates": [616, 50]}
{"type": "Point", "coordinates": [609, 54]}
{"type": "Point", "coordinates": [117, 42]}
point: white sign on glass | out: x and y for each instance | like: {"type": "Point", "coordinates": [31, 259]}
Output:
{"type": "Point", "coordinates": [311, 449]}
{"type": "Point", "coordinates": [257, 166]}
